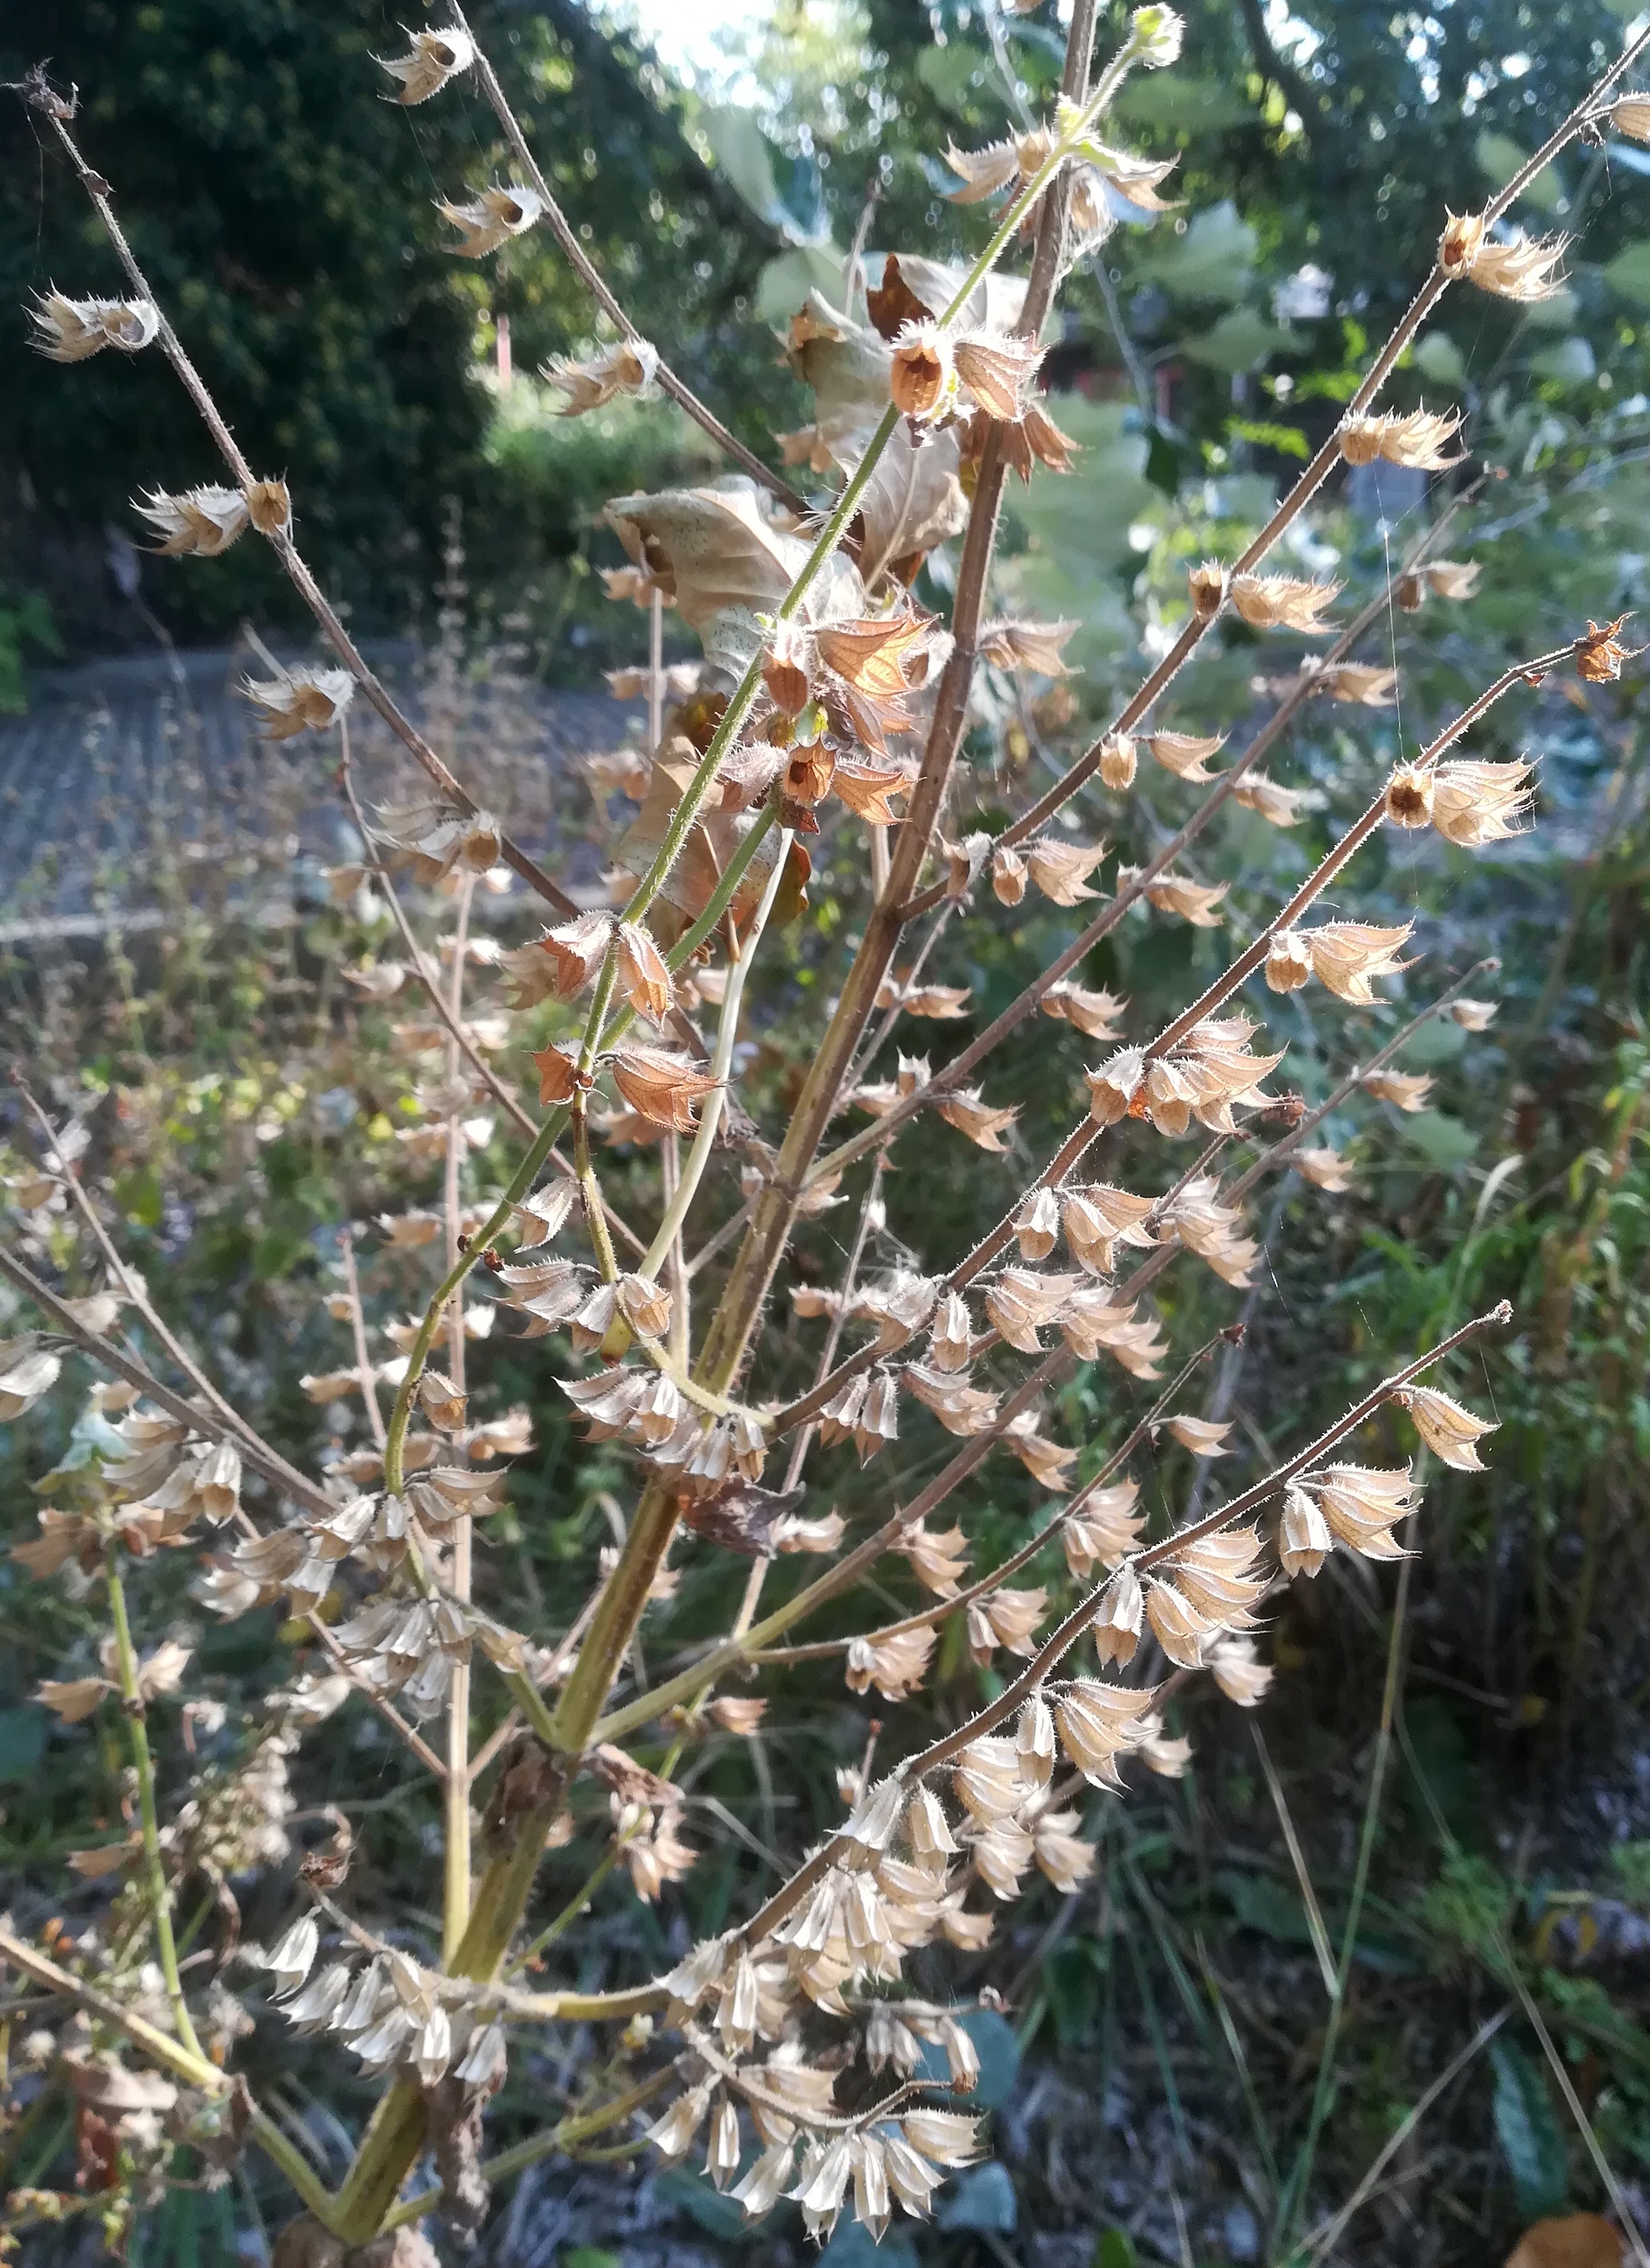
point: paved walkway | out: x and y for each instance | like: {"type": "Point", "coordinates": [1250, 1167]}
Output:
{"type": "Point", "coordinates": [134, 785]}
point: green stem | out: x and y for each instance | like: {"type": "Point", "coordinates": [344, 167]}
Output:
{"type": "Point", "coordinates": [142, 1765]}
{"type": "Point", "coordinates": [521, 1181]}
{"type": "Point", "coordinates": [710, 1118]}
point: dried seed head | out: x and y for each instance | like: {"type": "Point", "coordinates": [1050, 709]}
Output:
{"type": "Point", "coordinates": [269, 507]}
{"type": "Point", "coordinates": [1460, 244]}
{"type": "Point", "coordinates": [1035, 646]}
{"type": "Point", "coordinates": [1304, 1541]}
{"type": "Point", "coordinates": [895, 1665]}
{"type": "Point", "coordinates": [1114, 1088]}
{"type": "Point", "coordinates": [1094, 1014]}
{"type": "Point", "coordinates": [643, 977]}
{"type": "Point", "coordinates": [1524, 269]}
{"type": "Point", "coordinates": [982, 173]}
{"type": "Point", "coordinates": [1098, 1723]}
{"type": "Point", "coordinates": [1116, 760]}
{"type": "Point", "coordinates": [1185, 753]}
{"type": "Point", "coordinates": [575, 950]}
{"type": "Point", "coordinates": [1241, 1677]}
{"type": "Point", "coordinates": [785, 672]}
{"type": "Point", "coordinates": [1449, 1431]}
{"type": "Point", "coordinates": [963, 1107]}
{"type": "Point", "coordinates": [1036, 1224]}
{"type": "Point", "coordinates": [199, 524]}
{"type": "Point", "coordinates": [1347, 956]}
{"type": "Point", "coordinates": [644, 1304]}
{"type": "Point", "coordinates": [1279, 806]}
{"type": "Point", "coordinates": [1361, 1504]}
{"type": "Point", "coordinates": [922, 377]}
{"type": "Point", "coordinates": [1418, 440]}
{"type": "Point", "coordinates": [1472, 1016]}
{"type": "Point", "coordinates": [1476, 803]}
{"type": "Point", "coordinates": [491, 219]}
{"type": "Point", "coordinates": [1324, 1167]}
{"type": "Point", "coordinates": [558, 1074]}
{"type": "Point", "coordinates": [1117, 1623]}
{"type": "Point", "coordinates": [1271, 602]}
{"type": "Point", "coordinates": [1410, 796]}
{"type": "Point", "coordinates": [1203, 1435]}
{"type": "Point", "coordinates": [631, 367]}
{"type": "Point", "coordinates": [997, 367]}
{"type": "Point", "coordinates": [1206, 585]}
{"type": "Point", "coordinates": [302, 701]}
{"type": "Point", "coordinates": [1452, 578]}
{"type": "Point", "coordinates": [663, 1086]}
{"type": "Point", "coordinates": [432, 58]}
{"type": "Point", "coordinates": [72, 330]}
{"type": "Point", "coordinates": [1061, 869]}
{"type": "Point", "coordinates": [1008, 877]}
{"type": "Point", "coordinates": [1599, 655]}
{"type": "Point", "coordinates": [1359, 682]}
{"type": "Point", "coordinates": [1405, 1090]}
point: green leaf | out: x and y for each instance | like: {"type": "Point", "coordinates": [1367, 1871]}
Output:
{"type": "Point", "coordinates": [1527, 2131]}
{"type": "Point", "coordinates": [22, 1744]}
{"type": "Point", "coordinates": [745, 155]}
{"type": "Point", "coordinates": [950, 72]}
{"type": "Point", "coordinates": [1211, 261]}
{"type": "Point", "coordinates": [981, 2199]}
{"type": "Point", "coordinates": [783, 286]}
{"type": "Point", "coordinates": [1501, 158]}
{"type": "Point", "coordinates": [138, 1195]}
{"type": "Point", "coordinates": [1188, 106]}
{"type": "Point", "coordinates": [1288, 441]}
{"type": "Point", "coordinates": [1570, 362]}
{"type": "Point", "coordinates": [1629, 273]}
{"type": "Point", "coordinates": [1241, 340]}
{"type": "Point", "coordinates": [1444, 1142]}
{"type": "Point", "coordinates": [1439, 358]}
{"type": "Point", "coordinates": [1113, 2248]}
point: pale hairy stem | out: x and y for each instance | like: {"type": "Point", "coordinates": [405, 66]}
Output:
{"type": "Point", "coordinates": [358, 1334]}
{"type": "Point", "coordinates": [927, 1618]}
{"type": "Point", "coordinates": [296, 570]}
{"type": "Point", "coordinates": [1238, 971]}
{"type": "Point", "coordinates": [699, 1157]}
{"type": "Point", "coordinates": [159, 1890]}
{"type": "Point", "coordinates": [460, 1567]}
{"type": "Point", "coordinates": [1322, 464]}
{"type": "Point", "coordinates": [798, 1413]}
{"type": "Point", "coordinates": [397, 2128]}
{"type": "Point", "coordinates": [1131, 894]}
{"type": "Point", "coordinates": [543, 1147]}
{"type": "Point", "coordinates": [565, 2136]}
{"type": "Point", "coordinates": [775, 1213]}
{"type": "Point", "coordinates": [746, 1645]}
{"type": "Point", "coordinates": [210, 1422]}
{"type": "Point", "coordinates": [1075, 1626]}
{"type": "Point", "coordinates": [119, 1364]}
{"type": "Point", "coordinates": [596, 283]}
{"type": "Point", "coordinates": [653, 1536]}
{"type": "Point", "coordinates": [135, 1294]}
{"type": "Point", "coordinates": [189, 2064]}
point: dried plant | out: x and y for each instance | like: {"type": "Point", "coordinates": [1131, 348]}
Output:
{"type": "Point", "coordinates": [833, 705]}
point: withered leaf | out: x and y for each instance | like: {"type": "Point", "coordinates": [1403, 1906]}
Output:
{"type": "Point", "coordinates": [892, 302]}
